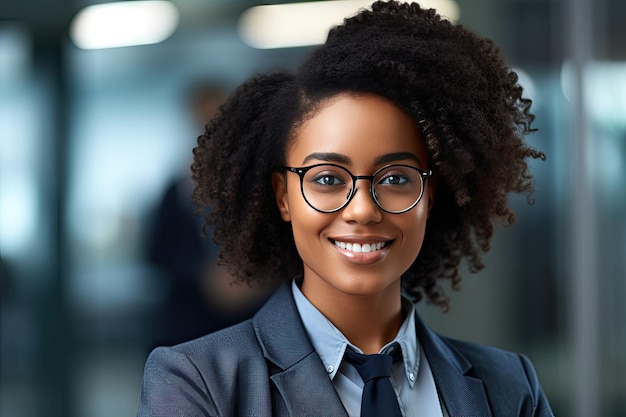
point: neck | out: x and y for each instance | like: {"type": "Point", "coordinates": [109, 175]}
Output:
{"type": "Point", "coordinates": [368, 321]}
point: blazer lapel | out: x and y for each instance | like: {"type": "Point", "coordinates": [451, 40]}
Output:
{"type": "Point", "coordinates": [307, 391]}
{"type": "Point", "coordinates": [300, 378]}
{"type": "Point", "coordinates": [462, 394]}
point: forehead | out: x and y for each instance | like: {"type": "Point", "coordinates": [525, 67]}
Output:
{"type": "Point", "coordinates": [360, 126]}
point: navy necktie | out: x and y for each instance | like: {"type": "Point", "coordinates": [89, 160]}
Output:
{"type": "Point", "coordinates": [379, 398]}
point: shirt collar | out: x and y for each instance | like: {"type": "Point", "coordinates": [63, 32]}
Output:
{"type": "Point", "coordinates": [330, 344]}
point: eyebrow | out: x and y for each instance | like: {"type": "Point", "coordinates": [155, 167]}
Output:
{"type": "Point", "coordinates": [343, 159]}
{"type": "Point", "coordinates": [395, 157]}
{"type": "Point", "coordinates": [328, 157]}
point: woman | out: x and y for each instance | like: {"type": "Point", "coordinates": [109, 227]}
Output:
{"type": "Point", "coordinates": [357, 185]}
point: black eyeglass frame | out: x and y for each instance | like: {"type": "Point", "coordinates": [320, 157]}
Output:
{"type": "Point", "coordinates": [301, 171]}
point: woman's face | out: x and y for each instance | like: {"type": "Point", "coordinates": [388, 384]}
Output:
{"type": "Point", "coordinates": [361, 133]}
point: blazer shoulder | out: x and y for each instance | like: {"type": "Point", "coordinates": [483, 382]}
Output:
{"type": "Point", "coordinates": [227, 356]}
{"type": "Point", "coordinates": [238, 340]}
{"type": "Point", "coordinates": [504, 372]}
{"type": "Point", "coordinates": [480, 355]}
{"type": "Point", "coordinates": [213, 375]}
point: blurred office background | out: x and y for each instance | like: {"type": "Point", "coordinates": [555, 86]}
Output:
{"type": "Point", "coordinates": [90, 139]}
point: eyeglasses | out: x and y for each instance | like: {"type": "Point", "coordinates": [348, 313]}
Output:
{"type": "Point", "coordinates": [328, 188]}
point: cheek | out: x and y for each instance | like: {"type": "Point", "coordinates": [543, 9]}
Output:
{"type": "Point", "coordinates": [305, 221]}
{"type": "Point", "coordinates": [308, 234]}
{"type": "Point", "coordinates": [414, 226]}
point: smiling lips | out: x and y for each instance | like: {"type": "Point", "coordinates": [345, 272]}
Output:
{"type": "Point", "coordinates": [360, 247]}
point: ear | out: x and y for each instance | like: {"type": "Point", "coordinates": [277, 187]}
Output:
{"type": "Point", "coordinates": [279, 184]}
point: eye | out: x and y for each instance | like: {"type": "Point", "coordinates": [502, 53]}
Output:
{"type": "Point", "coordinates": [327, 177]}
{"type": "Point", "coordinates": [392, 179]}
{"type": "Point", "coordinates": [328, 180]}
{"type": "Point", "coordinates": [397, 176]}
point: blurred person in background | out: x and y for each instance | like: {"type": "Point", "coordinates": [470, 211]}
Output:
{"type": "Point", "coordinates": [200, 296]}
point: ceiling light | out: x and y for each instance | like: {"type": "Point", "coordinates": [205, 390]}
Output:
{"type": "Point", "coordinates": [302, 24]}
{"type": "Point", "coordinates": [124, 23]}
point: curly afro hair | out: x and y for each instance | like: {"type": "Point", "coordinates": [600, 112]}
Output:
{"type": "Point", "coordinates": [454, 85]}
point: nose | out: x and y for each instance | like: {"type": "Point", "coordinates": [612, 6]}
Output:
{"type": "Point", "coordinates": [362, 209]}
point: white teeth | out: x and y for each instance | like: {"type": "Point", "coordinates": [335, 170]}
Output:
{"type": "Point", "coordinates": [360, 248]}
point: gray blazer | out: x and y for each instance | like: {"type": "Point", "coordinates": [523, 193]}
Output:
{"type": "Point", "coordinates": [267, 366]}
